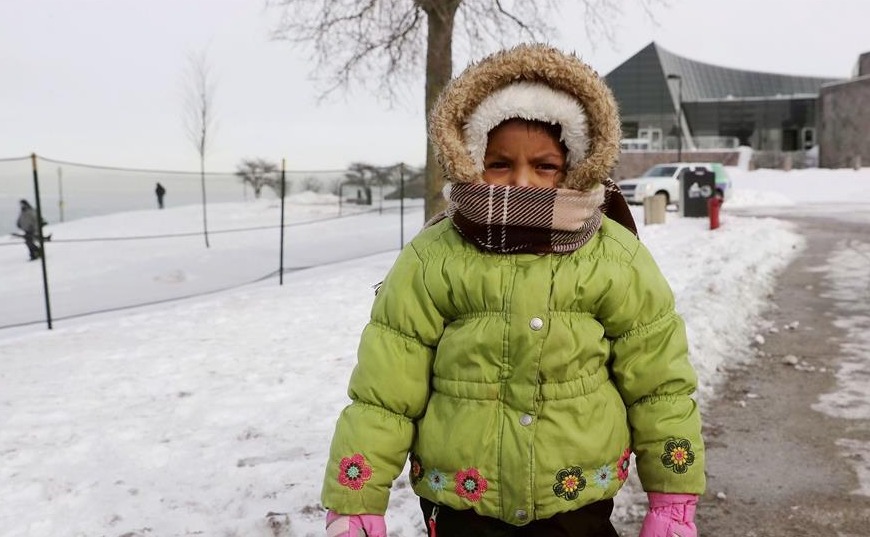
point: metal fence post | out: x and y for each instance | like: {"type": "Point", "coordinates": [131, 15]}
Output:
{"type": "Point", "coordinates": [41, 240]}
{"type": "Point", "coordinates": [281, 249]}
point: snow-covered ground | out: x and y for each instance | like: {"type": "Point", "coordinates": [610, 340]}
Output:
{"type": "Point", "coordinates": [213, 415]}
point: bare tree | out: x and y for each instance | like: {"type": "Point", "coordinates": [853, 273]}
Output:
{"type": "Point", "coordinates": [259, 172]}
{"type": "Point", "coordinates": [369, 174]}
{"type": "Point", "coordinates": [199, 118]}
{"type": "Point", "coordinates": [382, 43]}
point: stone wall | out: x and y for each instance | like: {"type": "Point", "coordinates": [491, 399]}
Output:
{"type": "Point", "coordinates": [784, 160]}
{"type": "Point", "coordinates": [634, 163]}
{"type": "Point", "coordinates": [864, 64]}
{"type": "Point", "coordinates": [844, 123]}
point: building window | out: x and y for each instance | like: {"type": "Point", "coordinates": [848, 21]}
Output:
{"type": "Point", "coordinates": [653, 135]}
{"type": "Point", "coordinates": [808, 136]}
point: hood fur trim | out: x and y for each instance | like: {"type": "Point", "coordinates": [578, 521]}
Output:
{"type": "Point", "coordinates": [532, 101]}
{"type": "Point", "coordinates": [562, 72]}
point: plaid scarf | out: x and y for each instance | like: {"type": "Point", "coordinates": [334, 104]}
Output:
{"type": "Point", "coordinates": [513, 220]}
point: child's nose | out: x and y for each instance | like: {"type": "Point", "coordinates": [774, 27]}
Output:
{"type": "Point", "coordinates": [523, 176]}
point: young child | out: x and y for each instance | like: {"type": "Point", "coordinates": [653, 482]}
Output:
{"type": "Point", "coordinates": [522, 347]}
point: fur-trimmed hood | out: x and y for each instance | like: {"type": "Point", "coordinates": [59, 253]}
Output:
{"type": "Point", "coordinates": [455, 124]}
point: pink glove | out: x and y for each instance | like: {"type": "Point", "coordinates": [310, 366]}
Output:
{"type": "Point", "coordinates": [355, 525]}
{"type": "Point", "coordinates": [670, 515]}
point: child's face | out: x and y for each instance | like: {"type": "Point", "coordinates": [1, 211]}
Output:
{"type": "Point", "coordinates": [523, 153]}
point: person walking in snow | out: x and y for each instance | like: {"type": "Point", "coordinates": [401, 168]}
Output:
{"type": "Point", "coordinates": [28, 223]}
{"type": "Point", "coordinates": [525, 343]}
{"type": "Point", "coordinates": [160, 191]}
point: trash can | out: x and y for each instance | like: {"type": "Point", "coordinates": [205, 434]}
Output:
{"type": "Point", "coordinates": [654, 208]}
{"type": "Point", "coordinates": [697, 185]}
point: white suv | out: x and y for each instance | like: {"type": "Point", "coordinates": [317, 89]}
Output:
{"type": "Point", "coordinates": [665, 179]}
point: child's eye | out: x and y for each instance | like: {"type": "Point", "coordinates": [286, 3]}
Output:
{"type": "Point", "coordinates": [497, 165]}
{"type": "Point", "coordinates": [547, 167]}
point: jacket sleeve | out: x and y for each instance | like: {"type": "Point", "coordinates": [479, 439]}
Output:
{"type": "Point", "coordinates": [651, 369]}
{"type": "Point", "coordinates": [23, 222]}
{"type": "Point", "coordinates": [27, 222]}
{"type": "Point", "coordinates": [389, 390]}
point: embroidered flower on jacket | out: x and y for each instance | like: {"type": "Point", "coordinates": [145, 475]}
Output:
{"type": "Point", "coordinates": [353, 472]}
{"type": "Point", "coordinates": [623, 464]}
{"type": "Point", "coordinates": [417, 470]}
{"type": "Point", "coordinates": [470, 484]}
{"type": "Point", "coordinates": [678, 455]}
{"type": "Point", "coordinates": [436, 479]}
{"type": "Point", "coordinates": [569, 483]}
{"type": "Point", "coordinates": [603, 476]}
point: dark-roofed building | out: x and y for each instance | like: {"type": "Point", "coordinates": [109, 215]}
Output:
{"type": "Point", "coordinates": [721, 107]}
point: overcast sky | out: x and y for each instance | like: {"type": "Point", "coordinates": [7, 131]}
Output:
{"type": "Point", "coordinates": [102, 81]}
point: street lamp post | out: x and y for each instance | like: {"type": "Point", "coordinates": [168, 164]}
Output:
{"type": "Point", "coordinates": [679, 80]}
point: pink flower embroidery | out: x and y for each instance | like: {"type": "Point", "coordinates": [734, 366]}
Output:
{"type": "Point", "coordinates": [623, 464]}
{"type": "Point", "coordinates": [353, 472]}
{"type": "Point", "coordinates": [470, 484]}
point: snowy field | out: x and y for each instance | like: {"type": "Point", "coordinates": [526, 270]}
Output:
{"type": "Point", "coordinates": [213, 415]}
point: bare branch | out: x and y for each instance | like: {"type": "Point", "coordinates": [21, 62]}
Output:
{"type": "Point", "coordinates": [199, 102]}
{"type": "Point", "coordinates": [371, 42]}
{"type": "Point", "coordinates": [520, 24]}
{"type": "Point", "coordinates": [494, 23]}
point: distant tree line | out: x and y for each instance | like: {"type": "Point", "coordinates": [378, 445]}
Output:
{"type": "Point", "coordinates": [260, 173]}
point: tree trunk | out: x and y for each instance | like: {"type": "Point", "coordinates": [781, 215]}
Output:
{"type": "Point", "coordinates": [202, 182]}
{"type": "Point", "coordinates": [440, 15]}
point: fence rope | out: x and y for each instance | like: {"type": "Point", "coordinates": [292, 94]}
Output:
{"type": "Point", "coordinates": [149, 170]}
{"type": "Point", "coordinates": [215, 232]}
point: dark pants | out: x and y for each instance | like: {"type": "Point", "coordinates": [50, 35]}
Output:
{"type": "Point", "coordinates": [29, 240]}
{"type": "Point", "coordinates": [589, 521]}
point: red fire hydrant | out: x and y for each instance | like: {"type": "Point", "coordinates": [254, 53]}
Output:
{"type": "Point", "coordinates": [713, 205]}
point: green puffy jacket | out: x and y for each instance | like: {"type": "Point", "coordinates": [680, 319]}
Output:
{"type": "Point", "coordinates": [519, 384]}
